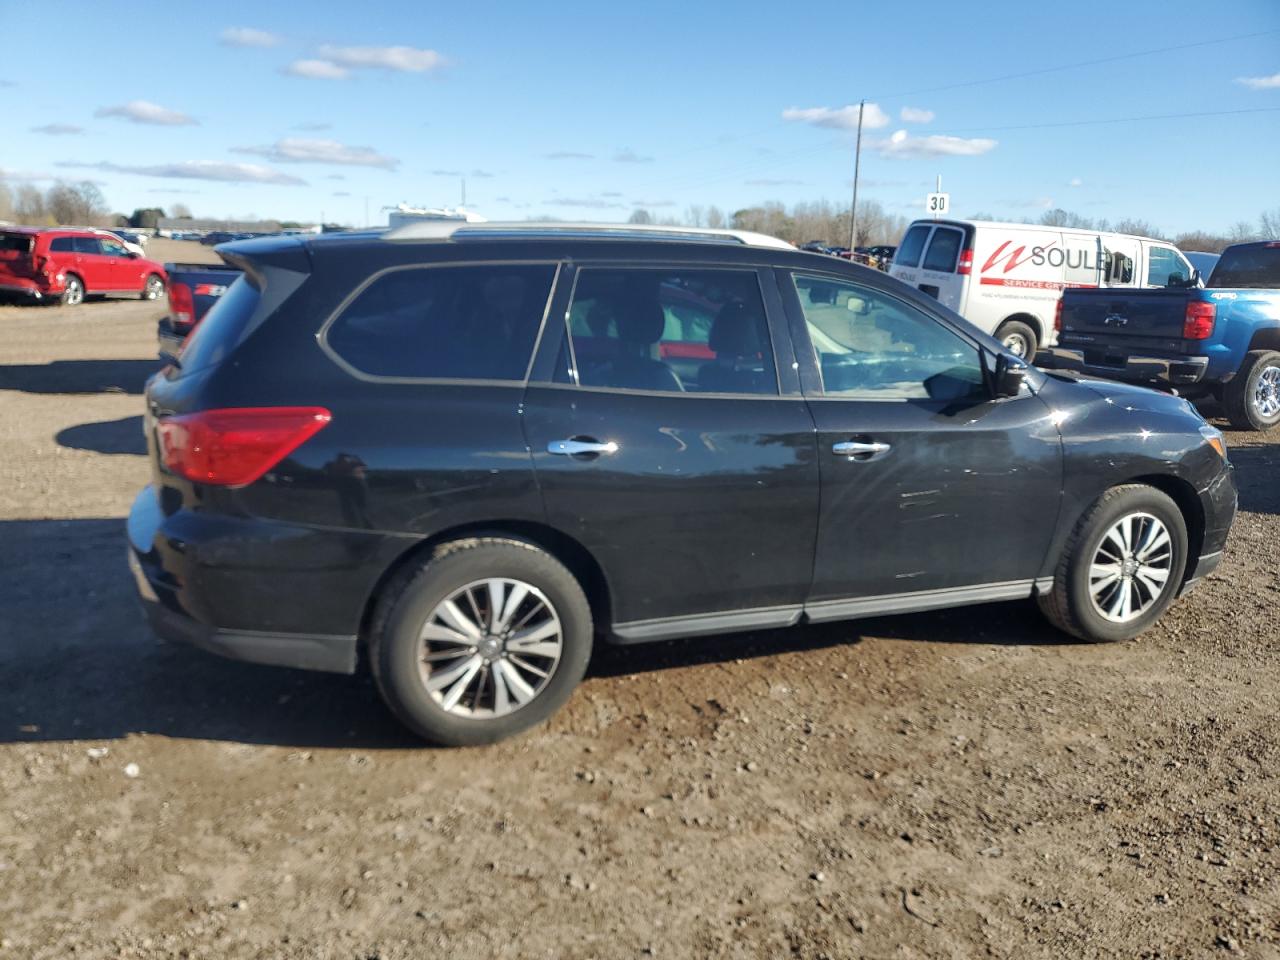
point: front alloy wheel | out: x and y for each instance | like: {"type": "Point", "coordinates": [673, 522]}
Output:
{"type": "Point", "coordinates": [1130, 567]}
{"type": "Point", "coordinates": [490, 648]}
{"type": "Point", "coordinates": [1266, 393]}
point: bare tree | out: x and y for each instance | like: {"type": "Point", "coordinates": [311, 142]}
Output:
{"type": "Point", "coordinates": [1242, 231]}
{"type": "Point", "coordinates": [715, 218]}
{"type": "Point", "coordinates": [6, 201]}
{"type": "Point", "coordinates": [1270, 224]}
{"type": "Point", "coordinates": [694, 216]}
{"type": "Point", "coordinates": [1139, 228]}
{"type": "Point", "coordinates": [1057, 217]}
{"type": "Point", "coordinates": [640, 216]}
{"type": "Point", "coordinates": [181, 211]}
{"type": "Point", "coordinates": [80, 203]}
{"type": "Point", "coordinates": [29, 208]}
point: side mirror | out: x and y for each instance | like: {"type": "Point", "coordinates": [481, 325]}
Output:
{"type": "Point", "coordinates": [1008, 377]}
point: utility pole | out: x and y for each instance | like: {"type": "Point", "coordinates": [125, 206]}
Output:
{"type": "Point", "coordinates": [464, 192]}
{"type": "Point", "coordinates": [857, 162]}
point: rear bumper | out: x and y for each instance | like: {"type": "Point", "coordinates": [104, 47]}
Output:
{"type": "Point", "coordinates": [1168, 371]}
{"type": "Point", "coordinates": [253, 589]}
{"type": "Point", "coordinates": [169, 340]}
{"type": "Point", "coordinates": [22, 287]}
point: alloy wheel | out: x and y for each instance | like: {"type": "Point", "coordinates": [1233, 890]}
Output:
{"type": "Point", "coordinates": [1017, 344]}
{"type": "Point", "coordinates": [1266, 394]}
{"type": "Point", "coordinates": [155, 287]}
{"type": "Point", "coordinates": [1131, 567]}
{"type": "Point", "coordinates": [490, 648]}
{"type": "Point", "coordinates": [74, 292]}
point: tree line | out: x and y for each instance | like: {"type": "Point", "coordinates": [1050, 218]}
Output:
{"type": "Point", "coordinates": [72, 204]}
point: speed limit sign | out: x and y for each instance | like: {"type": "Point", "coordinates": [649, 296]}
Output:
{"type": "Point", "coordinates": [938, 203]}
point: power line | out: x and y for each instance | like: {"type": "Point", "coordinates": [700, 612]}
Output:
{"type": "Point", "coordinates": [1081, 63]}
{"type": "Point", "coordinates": [1086, 123]}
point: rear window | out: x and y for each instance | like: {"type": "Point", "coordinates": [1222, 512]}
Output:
{"type": "Point", "coordinates": [217, 334]}
{"type": "Point", "coordinates": [944, 248]}
{"type": "Point", "coordinates": [15, 243]}
{"type": "Point", "coordinates": [455, 323]}
{"type": "Point", "coordinates": [908, 254]}
{"type": "Point", "coordinates": [1256, 267]}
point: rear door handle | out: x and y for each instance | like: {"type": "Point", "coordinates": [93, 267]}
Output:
{"type": "Point", "coordinates": [573, 448]}
{"type": "Point", "coordinates": [861, 452]}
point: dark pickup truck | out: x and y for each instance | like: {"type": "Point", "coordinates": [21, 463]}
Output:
{"type": "Point", "coordinates": [1220, 340]}
{"type": "Point", "coordinates": [193, 289]}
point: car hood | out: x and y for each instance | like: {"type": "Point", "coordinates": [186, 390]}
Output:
{"type": "Point", "coordinates": [1127, 397]}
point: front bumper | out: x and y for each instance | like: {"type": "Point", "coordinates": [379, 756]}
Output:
{"type": "Point", "coordinates": [1167, 371]}
{"type": "Point", "coordinates": [191, 596]}
{"type": "Point", "coordinates": [1218, 502]}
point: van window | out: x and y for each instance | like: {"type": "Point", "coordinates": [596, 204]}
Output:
{"type": "Point", "coordinates": [1164, 263]}
{"type": "Point", "coordinates": [944, 249]}
{"type": "Point", "coordinates": [455, 323]}
{"type": "Point", "coordinates": [908, 254]}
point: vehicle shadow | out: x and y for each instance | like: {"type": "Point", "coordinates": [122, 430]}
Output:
{"type": "Point", "coordinates": [106, 436]}
{"type": "Point", "coordinates": [1256, 469]}
{"type": "Point", "coordinates": [81, 664]}
{"type": "Point", "coordinates": [78, 376]}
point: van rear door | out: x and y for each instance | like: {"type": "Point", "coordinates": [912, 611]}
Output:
{"type": "Point", "coordinates": [941, 273]}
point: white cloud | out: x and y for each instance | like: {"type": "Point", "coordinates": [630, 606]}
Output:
{"type": "Point", "coordinates": [482, 174]}
{"type": "Point", "coordinates": [902, 144]}
{"type": "Point", "coordinates": [300, 150]}
{"type": "Point", "coordinates": [200, 170]}
{"type": "Point", "coordinates": [313, 127]}
{"type": "Point", "coordinates": [317, 70]}
{"type": "Point", "coordinates": [839, 118]}
{"type": "Point", "coordinates": [1075, 182]}
{"type": "Point", "coordinates": [587, 203]}
{"type": "Point", "coordinates": [568, 155]}
{"type": "Point", "coordinates": [58, 129]}
{"type": "Point", "coordinates": [24, 175]}
{"type": "Point", "coordinates": [247, 37]}
{"type": "Point", "coordinates": [630, 156]}
{"type": "Point", "coordinates": [143, 111]}
{"type": "Point", "coordinates": [1260, 83]}
{"type": "Point", "coordinates": [402, 59]}
{"type": "Point", "coordinates": [653, 203]}
{"type": "Point", "coordinates": [916, 115]}
{"type": "Point", "coordinates": [341, 193]}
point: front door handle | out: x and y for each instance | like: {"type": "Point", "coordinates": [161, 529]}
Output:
{"type": "Point", "coordinates": [861, 452]}
{"type": "Point", "coordinates": [574, 448]}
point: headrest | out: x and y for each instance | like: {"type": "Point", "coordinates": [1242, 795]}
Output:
{"type": "Point", "coordinates": [736, 331]}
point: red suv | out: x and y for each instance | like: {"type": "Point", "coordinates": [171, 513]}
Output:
{"type": "Point", "coordinates": [66, 264]}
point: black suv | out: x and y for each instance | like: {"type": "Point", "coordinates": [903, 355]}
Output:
{"type": "Point", "coordinates": [467, 452]}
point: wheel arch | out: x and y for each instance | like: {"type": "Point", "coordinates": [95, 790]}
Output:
{"type": "Point", "coordinates": [1030, 319]}
{"type": "Point", "coordinates": [1268, 338]}
{"type": "Point", "coordinates": [1184, 495]}
{"type": "Point", "coordinates": [577, 558]}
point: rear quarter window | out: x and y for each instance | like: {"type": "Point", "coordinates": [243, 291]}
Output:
{"type": "Point", "coordinates": [452, 323]}
{"type": "Point", "coordinates": [912, 246]}
{"type": "Point", "coordinates": [944, 248]}
{"type": "Point", "coordinates": [15, 243]}
{"type": "Point", "coordinates": [1252, 267]}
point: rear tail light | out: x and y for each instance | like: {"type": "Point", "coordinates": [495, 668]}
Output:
{"type": "Point", "coordinates": [234, 447]}
{"type": "Point", "coordinates": [182, 307]}
{"type": "Point", "coordinates": [1057, 316]}
{"type": "Point", "coordinates": [965, 267]}
{"type": "Point", "coordinates": [1199, 321]}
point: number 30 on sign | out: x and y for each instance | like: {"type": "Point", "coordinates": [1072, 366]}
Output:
{"type": "Point", "coordinates": [938, 203]}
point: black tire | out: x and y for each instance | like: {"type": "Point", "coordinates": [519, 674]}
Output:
{"type": "Point", "coordinates": [1069, 605]}
{"type": "Point", "coordinates": [1242, 395]}
{"type": "Point", "coordinates": [153, 289]}
{"type": "Point", "coordinates": [73, 294]}
{"type": "Point", "coordinates": [1018, 337]}
{"type": "Point", "coordinates": [395, 654]}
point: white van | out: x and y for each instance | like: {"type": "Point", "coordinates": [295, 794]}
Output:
{"type": "Point", "coordinates": [1007, 278]}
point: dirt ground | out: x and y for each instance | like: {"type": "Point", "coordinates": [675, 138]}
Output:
{"type": "Point", "coordinates": [958, 784]}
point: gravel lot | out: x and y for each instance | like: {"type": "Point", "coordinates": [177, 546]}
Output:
{"type": "Point", "coordinates": [956, 784]}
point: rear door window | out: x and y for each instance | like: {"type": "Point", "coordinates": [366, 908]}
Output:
{"type": "Point", "coordinates": [62, 245]}
{"type": "Point", "coordinates": [1251, 267]}
{"type": "Point", "coordinates": [450, 323]}
{"type": "Point", "coordinates": [944, 250]}
{"type": "Point", "coordinates": [908, 254]}
{"type": "Point", "coordinates": [87, 245]}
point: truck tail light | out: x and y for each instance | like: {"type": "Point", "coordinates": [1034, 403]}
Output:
{"type": "Point", "coordinates": [234, 447]}
{"type": "Point", "coordinates": [1198, 324]}
{"type": "Point", "coordinates": [182, 306]}
{"type": "Point", "coordinates": [965, 266]}
{"type": "Point", "coordinates": [1057, 316]}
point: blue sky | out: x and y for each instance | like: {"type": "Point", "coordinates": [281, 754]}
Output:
{"type": "Point", "coordinates": [587, 110]}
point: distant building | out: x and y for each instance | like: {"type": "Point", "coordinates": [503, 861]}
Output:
{"type": "Point", "coordinates": [166, 226]}
{"type": "Point", "coordinates": [403, 213]}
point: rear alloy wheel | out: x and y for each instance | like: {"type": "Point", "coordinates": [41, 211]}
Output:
{"type": "Point", "coordinates": [1252, 398]}
{"type": "Point", "coordinates": [73, 292]}
{"type": "Point", "coordinates": [154, 288]}
{"type": "Point", "coordinates": [1122, 566]}
{"type": "Point", "coordinates": [489, 637]}
{"type": "Point", "coordinates": [1018, 338]}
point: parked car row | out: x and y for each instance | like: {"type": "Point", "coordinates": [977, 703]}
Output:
{"type": "Point", "coordinates": [65, 265]}
{"type": "Point", "coordinates": [493, 446]}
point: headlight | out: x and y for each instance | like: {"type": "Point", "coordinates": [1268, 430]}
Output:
{"type": "Point", "coordinates": [1213, 437]}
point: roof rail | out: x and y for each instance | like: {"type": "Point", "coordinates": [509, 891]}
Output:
{"type": "Point", "coordinates": [519, 230]}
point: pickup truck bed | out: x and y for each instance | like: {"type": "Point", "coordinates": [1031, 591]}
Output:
{"type": "Point", "coordinates": [193, 290]}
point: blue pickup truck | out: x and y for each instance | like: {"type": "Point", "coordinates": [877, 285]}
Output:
{"type": "Point", "coordinates": [1220, 340]}
{"type": "Point", "coordinates": [193, 289]}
